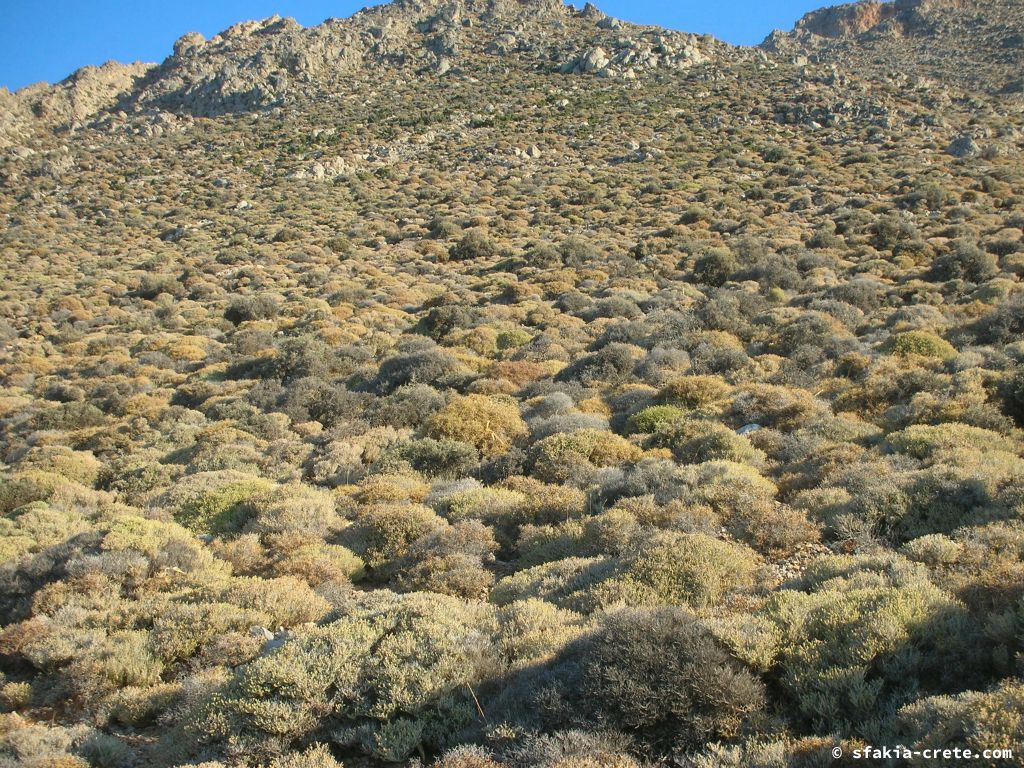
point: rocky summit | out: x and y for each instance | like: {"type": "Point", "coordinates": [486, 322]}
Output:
{"type": "Point", "coordinates": [257, 65]}
{"type": "Point", "coordinates": [500, 384]}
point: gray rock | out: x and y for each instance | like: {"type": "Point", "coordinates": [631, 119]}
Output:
{"type": "Point", "coordinates": [594, 60]}
{"type": "Point", "coordinates": [261, 633]}
{"type": "Point", "coordinates": [188, 42]}
{"type": "Point", "coordinates": [963, 147]}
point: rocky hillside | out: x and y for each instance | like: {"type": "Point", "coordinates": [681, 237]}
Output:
{"type": "Point", "coordinates": [500, 385]}
{"type": "Point", "coordinates": [257, 65]}
{"type": "Point", "coordinates": [970, 44]}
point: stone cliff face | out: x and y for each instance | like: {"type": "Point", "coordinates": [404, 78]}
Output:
{"type": "Point", "coordinates": [970, 44]}
{"type": "Point", "coordinates": [854, 19]}
{"type": "Point", "coordinates": [847, 20]}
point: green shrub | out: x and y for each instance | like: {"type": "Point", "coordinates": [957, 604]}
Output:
{"type": "Point", "coordinates": [921, 343]}
{"type": "Point", "coordinates": [388, 488]}
{"type": "Point", "coordinates": [389, 677]}
{"type": "Point", "coordinates": [116, 660]}
{"type": "Point", "coordinates": [866, 635]}
{"type": "Point", "coordinates": [141, 706]}
{"type": "Point", "coordinates": [316, 756]}
{"type": "Point", "coordinates": [933, 550]}
{"type": "Point", "coordinates": [611, 365]}
{"type": "Point", "coordinates": [547, 503]}
{"type": "Point", "coordinates": [694, 570]}
{"type": "Point", "coordinates": [213, 502]}
{"type": "Point", "coordinates": [444, 459]}
{"type": "Point", "coordinates": [730, 489]}
{"type": "Point", "coordinates": [772, 528]}
{"type": "Point", "coordinates": [450, 561]}
{"type": "Point", "coordinates": [715, 266]}
{"type": "Point", "coordinates": [382, 533]}
{"type": "Point", "coordinates": [467, 756]}
{"type": "Point", "coordinates": [182, 629]}
{"type": "Point", "coordinates": [977, 720]}
{"type": "Point", "coordinates": [78, 466]}
{"type": "Point", "coordinates": [428, 366]}
{"type": "Point", "coordinates": [37, 525]}
{"type": "Point", "coordinates": [292, 509]}
{"type": "Point", "coordinates": [492, 505]}
{"type": "Point", "coordinates": [453, 573]}
{"type": "Point", "coordinates": [15, 696]}
{"type": "Point", "coordinates": [318, 563]}
{"type": "Point", "coordinates": [572, 457]}
{"type": "Point", "coordinates": [966, 261]}
{"type": "Point", "coordinates": [71, 416]}
{"type": "Point", "coordinates": [774, 406]}
{"type": "Point", "coordinates": [532, 630]}
{"type": "Point", "coordinates": [567, 583]}
{"type": "Point", "coordinates": [286, 600]}
{"type": "Point", "coordinates": [1013, 397]}
{"type": "Point", "coordinates": [247, 308]}
{"type": "Point", "coordinates": [925, 442]}
{"type": "Point", "coordinates": [444, 228]}
{"type": "Point", "coordinates": [694, 391]}
{"type": "Point", "coordinates": [653, 418]}
{"type": "Point", "coordinates": [942, 498]}
{"type": "Point", "coordinates": [513, 339]}
{"type": "Point", "coordinates": [490, 424]}
{"type": "Point", "coordinates": [899, 504]}
{"type": "Point", "coordinates": [20, 490]}
{"type": "Point", "coordinates": [144, 535]}
{"type": "Point", "coordinates": [695, 441]}
{"type": "Point", "coordinates": [543, 543]}
{"type": "Point", "coordinates": [575, 747]}
{"type": "Point", "coordinates": [473, 245]}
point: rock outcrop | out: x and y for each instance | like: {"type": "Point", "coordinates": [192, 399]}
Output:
{"type": "Point", "coordinates": [976, 45]}
{"type": "Point", "coordinates": [79, 97]}
{"type": "Point", "coordinates": [847, 20]}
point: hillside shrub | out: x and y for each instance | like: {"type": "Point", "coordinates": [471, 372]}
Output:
{"type": "Point", "coordinates": [661, 676]}
{"type": "Point", "coordinates": [492, 425]}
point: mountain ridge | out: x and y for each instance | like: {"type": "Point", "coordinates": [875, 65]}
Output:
{"type": "Point", "coordinates": [263, 64]}
{"type": "Point", "coordinates": [256, 65]}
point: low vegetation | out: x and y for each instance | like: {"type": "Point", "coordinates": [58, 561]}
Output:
{"type": "Point", "coordinates": [578, 421]}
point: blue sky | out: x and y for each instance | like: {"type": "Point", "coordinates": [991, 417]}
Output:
{"type": "Point", "coordinates": [49, 39]}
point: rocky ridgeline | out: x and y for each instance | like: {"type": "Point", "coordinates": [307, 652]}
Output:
{"type": "Point", "coordinates": [276, 62]}
{"type": "Point", "coordinates": [257, 65]}
{"type": "Point", "coordinates": [262, 64]}
{"type": "Point", "coordinates": [75, 100]}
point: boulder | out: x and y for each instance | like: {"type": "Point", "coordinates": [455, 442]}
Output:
{"type": "Point", "coordinates": [963, 147]}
